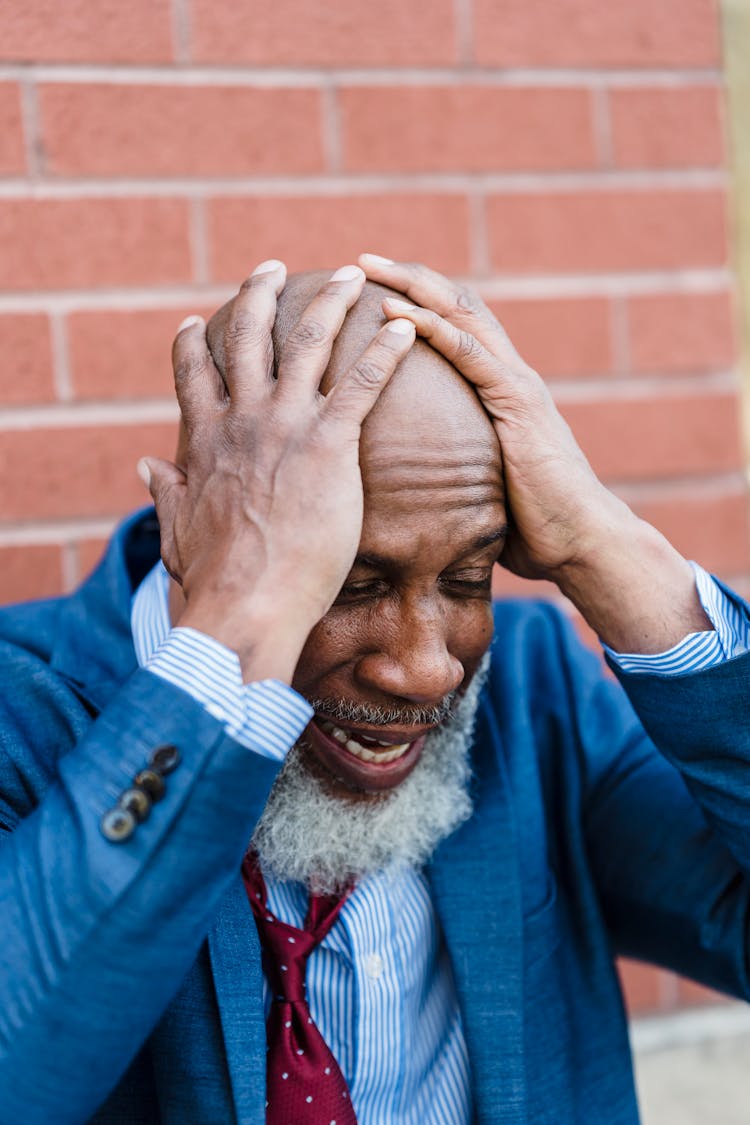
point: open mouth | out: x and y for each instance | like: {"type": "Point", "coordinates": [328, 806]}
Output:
{"type": "Point", "coordinates": [364, 747]}
{"type": "Point", "coordinates": [369, 760]}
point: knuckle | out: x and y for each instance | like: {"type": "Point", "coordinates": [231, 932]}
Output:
{"type": "Point", "coordinates": [467, 347]}
{"type": "Point", "coordinates": [307, 336]}
{"type": "Point", "coordinates": [242, 328]}
{"type": "Point", "coordinates": [465, 300]}
{"type": "Point", "coordinates": [187, 366]}
{"type": "Point", "coordinates": [368, 372]}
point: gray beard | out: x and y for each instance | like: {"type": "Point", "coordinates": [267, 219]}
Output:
{"type": "Point", "coordinates": [310, 836]}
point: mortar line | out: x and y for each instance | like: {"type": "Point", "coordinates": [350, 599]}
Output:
{"type": "Point", "coordinates": [269, 76]}
{"type": "Point", "coordinates": [63, 380]}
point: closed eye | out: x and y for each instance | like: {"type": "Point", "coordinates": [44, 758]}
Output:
{"type": "Point", "coordinates": [354, 591]}
{"type": "Point", "coordinates": [478, 581]}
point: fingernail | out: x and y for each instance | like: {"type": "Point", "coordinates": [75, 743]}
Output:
{"type": "Point", "coordinates": [404, 306]}
{"type": "Point", "coordinates": [144, 472]}
{"type": "Point", "coordinates": [400, 326]}
{"type": "Point", "coordinates": [347, 273]}
{"type": "Point", "coordinates": [378, 260]}
{"type": "Point", "coordinates": [266, 267]}
{"type": "Point", "coordinates": [189, 321]}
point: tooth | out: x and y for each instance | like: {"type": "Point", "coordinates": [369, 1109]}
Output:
{"type": "Point", "coordinates": [382, 742]}
{"type": "Point", "coordinates": [325, 725]}
{"type": "Point", "coordinates": [360, 751]}
{"type": "Point", "coordinates": [339, 734]}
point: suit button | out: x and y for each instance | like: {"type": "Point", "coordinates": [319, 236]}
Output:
{"type": "Point", "coordinates": [136, 801]}
{"type": "Point", "coordinates": [165, 759]}
{"type": "Point", "coordinates": [152, 782]}
{"type": "Point", "coordinates": [118, 825]}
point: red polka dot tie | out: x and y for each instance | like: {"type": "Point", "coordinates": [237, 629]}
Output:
{"type": "Point", "coordinates": [304, 1085]}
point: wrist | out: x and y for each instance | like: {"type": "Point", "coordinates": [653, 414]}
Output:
{"type": "Point", "coordinates": [632, 587]}
{"type": "Point", "coordinates": [267, 637]}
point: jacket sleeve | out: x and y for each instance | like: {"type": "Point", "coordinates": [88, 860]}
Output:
{"type": "Point", "coordinates": [666, 812]}
{"type": "Point", "coordinates": [97, 936]}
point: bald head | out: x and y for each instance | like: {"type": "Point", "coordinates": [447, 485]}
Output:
{"type": "Point", "coordinates": [426, 400]}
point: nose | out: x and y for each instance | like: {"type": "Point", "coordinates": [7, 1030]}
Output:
{"type": "Point", "coordinates": [412, 660]}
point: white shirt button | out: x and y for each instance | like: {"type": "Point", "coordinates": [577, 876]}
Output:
{"type": "Point", "coordinates": [373, 965]}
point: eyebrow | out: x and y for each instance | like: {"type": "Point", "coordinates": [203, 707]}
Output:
{"type": "Point", "coordinates": [381, 562]}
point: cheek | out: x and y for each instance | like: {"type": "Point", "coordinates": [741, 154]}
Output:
{"type": "Point", "coordinates": [329, 646]}
{"type": "Point", "coordinates": [471, 633]}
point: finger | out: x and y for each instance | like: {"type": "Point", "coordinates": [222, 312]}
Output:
{"type": "Point", "coordinates": [247, 344]}
{"type": "Point", "coordinates": [424, 286]}
{"type": "Point", "coordinates": [306, 352]}
{"type": "Point", "coordinates": [167, 484]}
{"type": "Point", "coordinates": [458, 303]}
{"type": "Point", "coordinates": [495, 379]}
{"type": "Point", "coordinates": [418, 282]}
{"type": "Point", "coordinates": [196, 380]}
{"type": "Point", "coordinates": [357, 391]}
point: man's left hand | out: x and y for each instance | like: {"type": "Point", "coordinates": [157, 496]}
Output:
{"type": "Point", "coordinates": [635, 590]}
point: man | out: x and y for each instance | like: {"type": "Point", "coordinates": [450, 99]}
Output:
{"type": "Point", "coordinates": [478, 884]}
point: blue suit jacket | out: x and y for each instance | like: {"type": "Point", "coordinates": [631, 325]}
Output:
{"type": "Point", "coordinates": [130, 978]}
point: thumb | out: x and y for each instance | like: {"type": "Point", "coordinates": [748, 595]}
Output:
{"type": "Point", "coordinates": [167, 484]}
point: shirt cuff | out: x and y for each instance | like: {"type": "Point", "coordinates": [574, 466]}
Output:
{"type": "Point", "coordinates": [697, 651]}
{"type": "Point", "coordinates": [266, 716]}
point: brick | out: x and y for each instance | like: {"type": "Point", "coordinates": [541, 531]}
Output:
{"type": "Point", "coordinates": [667, 436]}
{"type": "Point", "coordinates": [98, 129]}
{"type": "Point", "coordinates": [48, 31]}
{"type": "Point", "coordinates": [33, 571]}
{"type": "Point", "coordinates": [317, 231]}
{"type": "Point", "coordinates": [465, 128]}
{"type": "Point", "coordinates": [681, 332]}
{"type": "Point", "coordinates": [77, 471]}
{"type": "Point", "coordinates": [607, 230]}
{"type": "Point", "coordinates": [124, 354]}
{"type": "Point", "coordinates": [92, 242]}
{"type": "Point", "coordinates": [639, 33]}
{"type": "Point", "coordinates": [297, 33]}
{"type": "Point", "coordinates": [12, 153]}
{"type": "Point", "coordinates": [562, 336]}
{"type": "Point", "coordinates": [26, 348]}
{"type": "Point", "coordinates": [642, 985]}
{"type": "Point", "coordinates": [713, 530]}
{"type": "Point", "coordinates": [667, 128]}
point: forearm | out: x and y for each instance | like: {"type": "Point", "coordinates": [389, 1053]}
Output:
{"type": "Point", "coordinates": [631, 586]}
{"type": "Point", "coordinates": [97, 936]}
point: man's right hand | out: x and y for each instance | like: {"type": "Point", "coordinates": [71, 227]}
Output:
{"type": "Point", "coordinates": [262, 523]}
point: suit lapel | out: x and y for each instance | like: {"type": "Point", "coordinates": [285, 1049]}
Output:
{"type": "Point", "coordinates": [234, 950]}
{"type": "Point", "coordinates": [475, 881]}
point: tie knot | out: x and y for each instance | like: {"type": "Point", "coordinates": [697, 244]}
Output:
{"type": "Point", "coordinates": [285, 953]}
{"type": "Point", "coordinates": [286, 948]}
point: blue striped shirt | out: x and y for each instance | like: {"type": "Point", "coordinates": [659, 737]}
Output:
{"type": "Point", "coordinates": [730, 637]}
{"type": "Point", "coordinates": [380, 985]}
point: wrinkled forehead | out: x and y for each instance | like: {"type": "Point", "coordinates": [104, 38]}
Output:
{"type": "Point", "coordinates": [428, 422]}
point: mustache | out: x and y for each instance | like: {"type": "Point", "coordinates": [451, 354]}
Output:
{"type": "Point", "coordinates": [371, 714]}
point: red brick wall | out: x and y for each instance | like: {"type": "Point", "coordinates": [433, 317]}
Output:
{"type": "Point", "coordinates": [566, 155]}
